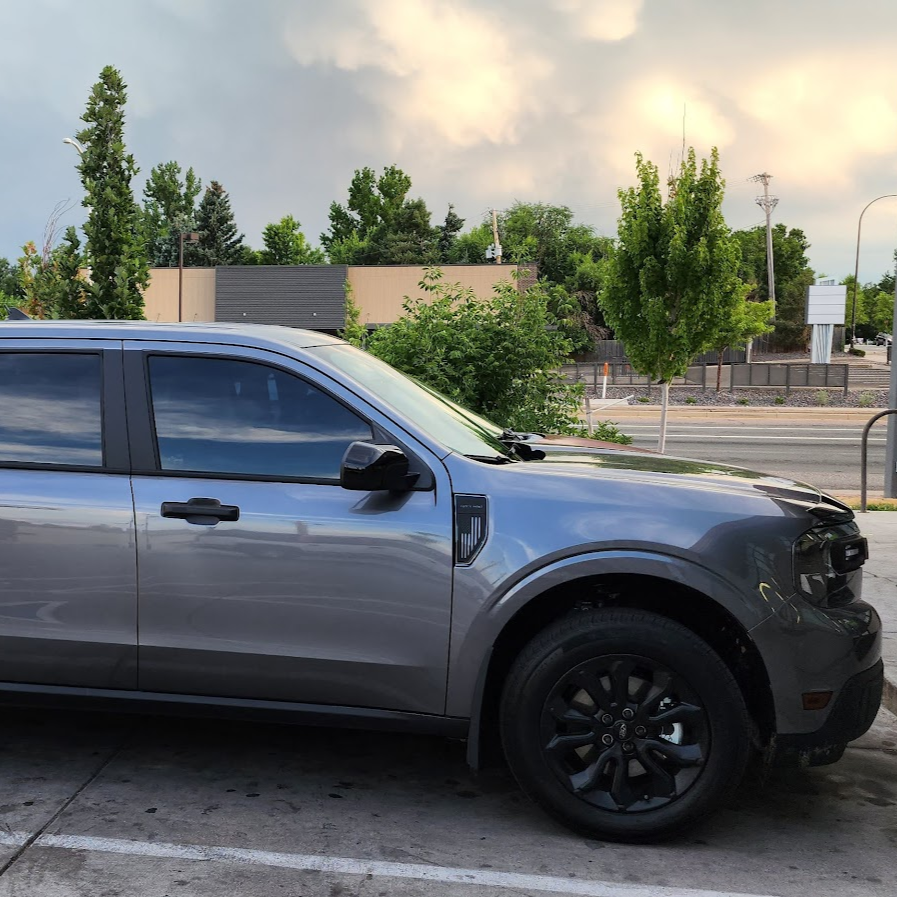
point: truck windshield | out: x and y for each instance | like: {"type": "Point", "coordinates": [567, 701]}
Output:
{"type": "Point", "coordinates": [449, 424]}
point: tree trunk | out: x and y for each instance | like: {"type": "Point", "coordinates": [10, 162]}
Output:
{"type": "Point", "coordinates": [719, 370]}
{"type": "Point", "coordinates": [662, 436]}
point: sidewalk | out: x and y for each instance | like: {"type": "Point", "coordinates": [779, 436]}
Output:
{"type": "Point", "coordinates": [880, 589]}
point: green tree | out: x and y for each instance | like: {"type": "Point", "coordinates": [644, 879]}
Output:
{"type": "Point", "coordinates": [448, 235]}
{"type": "Point", "coordinates": [501, 357]}
{"type": "Point", "coordinates": [354, 332]}
{"type": "Point", "coordinates": [747, 320]}
{"type": "Point", "coordinates": [793, 275]}
{"type": "Point", "coordinates": [53, 282]}
{"type": "Point", "coordinates": [35, 278]}
{"type": "Point", "coordinates": [285, 244]}
{"type": "Point", "coordinates": [71, 288]}
{"type": "Point", "coordinates": [10, 285]}
{"type": "Point", "coordinates": [671, 281]}
{"type": "Point", "coordinates": [116, 245]}
{"type": "Point", "coordinates": [566, 255]}
{"type": "Point", "coordinates": [379, 225]}
{"type": "Point", "coordinates": [169, 209]}
{"type": "Point", "coordinates": [220, 243]}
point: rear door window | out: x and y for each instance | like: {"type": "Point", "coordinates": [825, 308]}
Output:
{"type": "Point", "coordinates": [51, 408]}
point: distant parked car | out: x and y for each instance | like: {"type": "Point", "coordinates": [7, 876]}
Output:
{"type": "Point", "coordinates": [883, 339]}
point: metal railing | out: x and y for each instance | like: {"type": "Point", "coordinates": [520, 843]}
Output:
{"type": "Point", "coordinates": [789, 376]}
{"type": "Point", "coordinates": [865, 454]}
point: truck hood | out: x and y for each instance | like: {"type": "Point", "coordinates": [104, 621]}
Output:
{"type": "Point", "coordinates": [622, 464]}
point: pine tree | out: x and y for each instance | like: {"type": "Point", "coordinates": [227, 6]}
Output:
{"type": "Point", "coordinates": [115, 240]}
{"type": "Point", "coordinates": [448, 235]}
{"type": "Point", "coordinates": [219, 241]}
{"type": "Point", "coordinates": [70, 287]}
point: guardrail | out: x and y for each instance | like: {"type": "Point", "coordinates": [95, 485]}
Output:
{"type": "Point", "coordinates": [865, 454]}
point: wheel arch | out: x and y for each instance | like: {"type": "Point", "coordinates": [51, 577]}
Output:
{"type": "Point", "coordinates": [668, 596]}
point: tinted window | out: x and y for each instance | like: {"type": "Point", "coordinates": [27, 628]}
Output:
{"type": "Point", "coordinates": [221, 416]}
{"type": "Point", "coordinates": [50, 409]}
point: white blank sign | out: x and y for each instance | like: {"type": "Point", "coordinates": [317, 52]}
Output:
{"type": "Point", "coordinates": [826, 305]}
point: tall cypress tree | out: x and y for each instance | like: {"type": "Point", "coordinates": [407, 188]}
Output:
{"type": "Point", "coordinates": [116, 249]}
{"type": "Point", "coordinates": [219, 241]}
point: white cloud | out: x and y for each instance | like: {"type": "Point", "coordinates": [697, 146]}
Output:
{"type": "Point", "coordinates": [820, 125]}
{"type": "Point", "coordinates": [602, 20]}
{"type": "Point", "coordinates": [449, 70]}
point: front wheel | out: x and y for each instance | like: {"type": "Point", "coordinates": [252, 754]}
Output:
{"type": "Point", "coordinates": [624, 725]}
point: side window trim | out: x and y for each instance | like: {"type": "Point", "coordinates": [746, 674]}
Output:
{"type": "Point", "coordinates": [113, 441]}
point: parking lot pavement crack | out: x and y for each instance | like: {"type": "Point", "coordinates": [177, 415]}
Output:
{"type": "Point", "coordinates": [63, 807]}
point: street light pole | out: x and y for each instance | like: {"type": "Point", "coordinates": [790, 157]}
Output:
{"type": "Point", "coordinates": [856, 268]}
{"type": "Point", "coordinates": [72, 142]}
{"type": "Point", "coordinates": [891, 447]}
{"type": "Point", "coordinates": [191, 238]}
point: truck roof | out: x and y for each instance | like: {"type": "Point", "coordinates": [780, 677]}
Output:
{"type": "Point", "coordinates": [261, 335]}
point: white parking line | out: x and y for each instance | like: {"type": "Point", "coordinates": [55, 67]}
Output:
{"type": "Point", "coordinates": [483, 878]}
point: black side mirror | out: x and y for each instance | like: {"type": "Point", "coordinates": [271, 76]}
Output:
{"type": "Point", "coordinates": [368, 467]}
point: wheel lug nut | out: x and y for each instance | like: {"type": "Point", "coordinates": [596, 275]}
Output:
{"type": "Point", "coordinates": [628, 714]}
{"type": "Point", "coordinates": [606, 719]}
{"type": "Point", "coordinates": [640, 731]}
{"type": "Point", "coordinates": [627, 747]}
{"type": "Point", "coordinates": [607, 739]}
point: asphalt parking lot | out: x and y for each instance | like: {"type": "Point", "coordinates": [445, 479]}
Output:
{"type": "Point", "coordinates": [110, 805]}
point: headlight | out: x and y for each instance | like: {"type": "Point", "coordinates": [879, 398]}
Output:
{"type": "Point", "coordinates": [826, 564]}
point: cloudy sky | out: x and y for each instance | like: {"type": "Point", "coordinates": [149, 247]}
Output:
{"type": "Point", "coordinates": [481, 101]}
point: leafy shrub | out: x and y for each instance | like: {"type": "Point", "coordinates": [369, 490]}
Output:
{"type": "Point", "coordinates": [608, 432]}
{"type": "Point", "coordinates": [644, 399]}
{"type": "Point", "coordinates": [822, 397]}
{"type": "Point", "coordinates": [866, 399]}
{"type": "Point", "coordinates": [779, 400]}
{"type": "Point", "coordinates": [744, 401]}
{"type": "Point", "coordinates": [499, 357]}
{"type": "Point", "coordinates": [691, 400]}
{"type": "Point", "coordinates": [860, 353]}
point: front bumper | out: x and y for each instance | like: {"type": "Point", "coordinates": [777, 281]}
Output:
{"type": "Point", "coordinates": [854, 711]}
{"type": "Point", "coordinates": [808, 649]}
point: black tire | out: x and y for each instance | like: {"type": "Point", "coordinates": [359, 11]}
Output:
{"type": "Point", "coordinates": [566, 685]}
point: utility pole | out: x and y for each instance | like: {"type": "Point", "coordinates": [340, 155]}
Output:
{"type": "Point", "coordinates": [494, 251]}
{"type": "Point", "coordinates": [768, 203]}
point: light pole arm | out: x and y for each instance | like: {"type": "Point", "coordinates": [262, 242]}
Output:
{"type": "Point", "coordinates": [856, 267]}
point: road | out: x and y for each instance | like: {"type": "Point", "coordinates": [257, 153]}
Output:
{"type": "Point", "coordinates": [820, 452]}
{"type": "Point", "coordinates": [116, 806]}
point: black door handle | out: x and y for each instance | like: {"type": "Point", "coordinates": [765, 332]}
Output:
{"type": "Point", "coordinates": [202, 511]}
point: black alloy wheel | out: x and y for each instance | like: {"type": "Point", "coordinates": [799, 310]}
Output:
{"type": "Point", "coordinates": [624, 725]}
{"type": "Point", "coordinates": [625, 733]}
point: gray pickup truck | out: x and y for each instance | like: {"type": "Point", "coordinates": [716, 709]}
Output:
{"type": "Point", "coordinates": [267, 522]}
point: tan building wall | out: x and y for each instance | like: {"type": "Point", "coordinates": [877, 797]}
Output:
{"type": "Point", "coordinates": [380, 291]}
{"type": "Point", "coordinates": [161, 296]}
